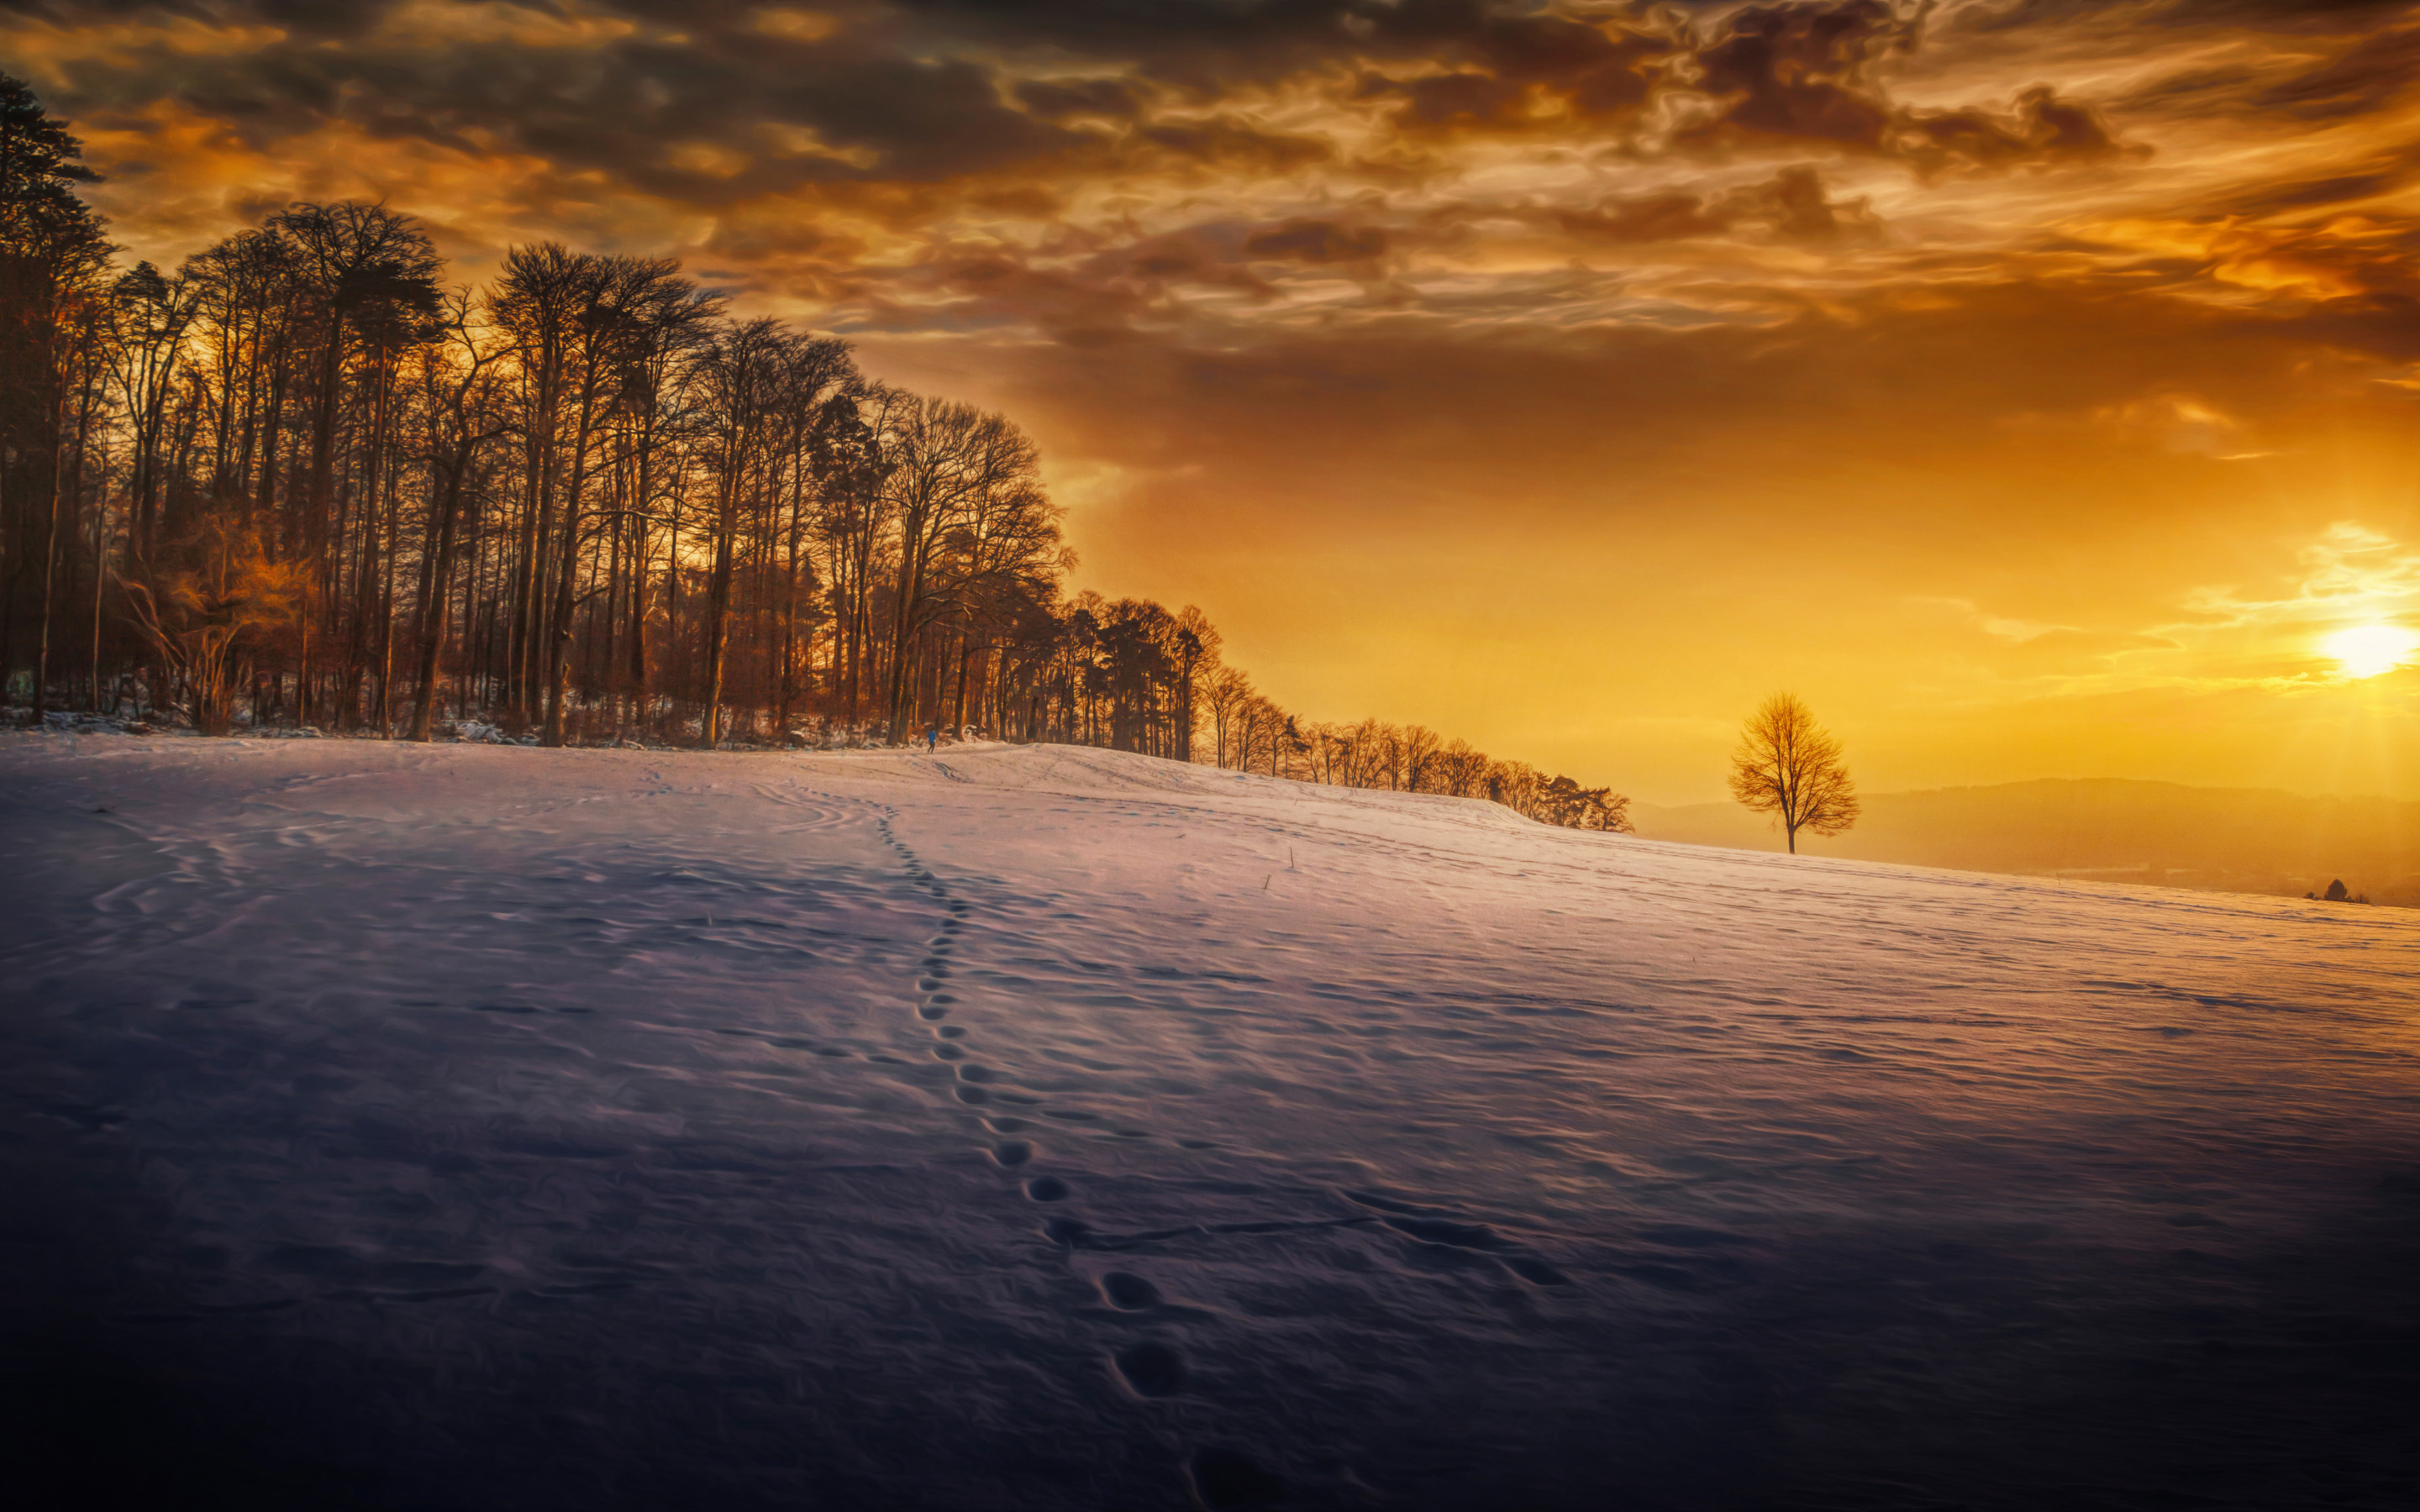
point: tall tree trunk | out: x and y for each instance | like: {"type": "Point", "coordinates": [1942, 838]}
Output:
{"type": "Point", "coordinates": [438, 568]}
{"type": "Point", "coordinates": [558, 634]}
{"type": "Point", "coordinates": [718, 616]}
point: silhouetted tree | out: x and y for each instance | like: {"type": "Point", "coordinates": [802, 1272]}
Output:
{"type": "Point", "coordinates": [52, 257]}
{"type": "Point", "coordinates": [1563, 801]}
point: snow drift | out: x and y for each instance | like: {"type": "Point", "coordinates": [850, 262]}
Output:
{"type": "Point", "coordinates": [1045, 1128]}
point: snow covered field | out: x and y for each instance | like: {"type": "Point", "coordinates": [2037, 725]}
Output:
{"type": "Point", "coordinates": [463, 1127]}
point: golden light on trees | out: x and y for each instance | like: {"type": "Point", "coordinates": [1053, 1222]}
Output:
{"type": "Point", "coordinates": [1788, 766]}
{"type": "Point", "coordinates": [2368, 650]}
{"type": "Point", "coordinates": [213, 588]}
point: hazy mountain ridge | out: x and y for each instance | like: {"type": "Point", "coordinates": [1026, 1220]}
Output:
{"type": "Point", "coordinates": [2231, 840]}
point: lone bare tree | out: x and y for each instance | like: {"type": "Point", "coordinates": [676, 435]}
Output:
{"type": "Point", "coordinates": [1788, 767]}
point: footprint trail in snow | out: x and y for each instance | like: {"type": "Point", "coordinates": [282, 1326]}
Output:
{"type": "Point", "coordinates": [1149, 1368]}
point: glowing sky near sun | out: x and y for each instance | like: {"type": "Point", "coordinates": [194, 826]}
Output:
{"type": "Point", "coordinates": [2033, 385]}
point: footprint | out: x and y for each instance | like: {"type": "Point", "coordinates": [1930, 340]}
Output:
{"type": "Point", "coordinates": [1046, 1189]}
{"type": "Point", "coordinates": [1150, 1369]}
{"type": "Point", "coordinates": [947, 1052]}
{"type": "Point", "coordinates": [951, 1031]}
{"type": "Point", "coordinates": [973, 1096]}
{"type": "Point", "coordinates": [1128, 1292]}
{"type": "Point", "coordinates": [1013, 1152]}
{"type": "Point", "coordinates": [932, 1013]}
{"type": "Point", "coordinates": [977, 1074]}
{"type": "Point", "coordinates": [1224, 1478]}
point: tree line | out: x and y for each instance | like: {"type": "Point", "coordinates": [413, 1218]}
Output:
{"type": "Point", "coordinates": [304, 480]}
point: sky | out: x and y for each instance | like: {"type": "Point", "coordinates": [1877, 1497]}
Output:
{"type": "Point", "coordinates": [2032, 386]}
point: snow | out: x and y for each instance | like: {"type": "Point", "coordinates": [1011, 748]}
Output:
{"type": "Point", "coordinates": [476, 1127]}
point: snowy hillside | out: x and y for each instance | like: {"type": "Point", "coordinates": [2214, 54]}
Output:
{"type": "Point", "coordinates": [1042, 1127]}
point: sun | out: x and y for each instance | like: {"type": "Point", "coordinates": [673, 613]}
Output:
{"type": "Point", "coordinates": [2367, 650]}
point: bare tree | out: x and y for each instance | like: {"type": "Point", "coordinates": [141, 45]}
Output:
{"type": "Point", "coordinates": [1226, 692]}
{"type": "Point", "coordinates": [1789, 767]}
{"type": "Point", "coordinates": [464, 415]}
{"type": "Point", "coordinates": [1193, 654]}
{"type": "Point", "coordinates": [742, 373]}
{"type": "Point", "coordinates": [1419, 747]}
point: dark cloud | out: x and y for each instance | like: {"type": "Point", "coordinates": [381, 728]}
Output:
{"type": "Point", "coordinates": [1230, 142]}
{"type": "Point", "coordinates": [1051, 100]}
{"type": "Point", "coordinates": [1226, 34]}
{"type": "Point", "coordinates": [991, 291]}
{"type": "Point", "coordinates": [2291, 16]}
{"type": "Point", "coordinates": [1669, 217]}
{"type": "Point", "coordinates": [721, 106]}
{"type": "Point", "coordinates": [316, 18]}
{"type": "Point", "coordinates": [1210, 255]}
{"type": "Point", "coordinates": [1204, 43]}
{"type": "Point", "coordinates": [1317, 242]}
{"type": "Point", "coordinates": [1794, 205]}
{"type": "Point", "coordinates": [623, 106]}
{"type": "Point", "coordinates": [2324, 193]}
{"type": "Point", "coordinates": [2372, 71]}
{"type": "Point", "coordinates": [1529, 74]}
{"type": "Point", "coordinates": [2041, 129]}
{"type": "Point", "coordinates": [1806, 73]}
{"type": "Point", "coordinates": [2384, 326]}
{"type": "Point", "coordinates": [2360, 63]}
{"type": "Point", "coordinates": [906, 116]}
{"type": "Point", "coordinates": [1798, 72]}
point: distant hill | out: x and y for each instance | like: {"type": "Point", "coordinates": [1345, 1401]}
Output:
{"type": "Point", "coordinates": [2229, 840]}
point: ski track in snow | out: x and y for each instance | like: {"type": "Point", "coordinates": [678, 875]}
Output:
{"type": "Point", "coordinates": [1050, 1128]}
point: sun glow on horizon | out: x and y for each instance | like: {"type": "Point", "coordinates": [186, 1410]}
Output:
{"type": "Point", "coordinates": [2368, 650]}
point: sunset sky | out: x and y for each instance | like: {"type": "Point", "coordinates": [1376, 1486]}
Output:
{"type": "Point", "coordinates": [2031, 385]}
